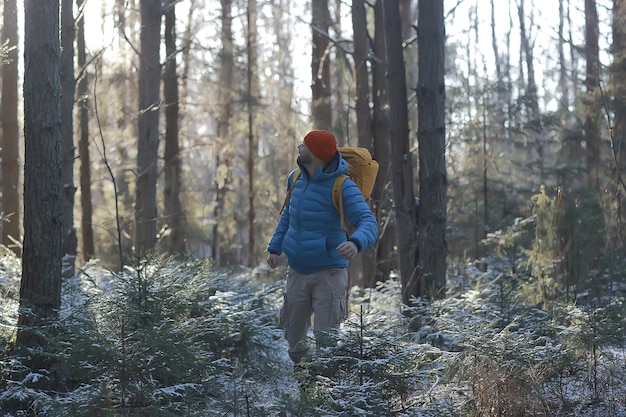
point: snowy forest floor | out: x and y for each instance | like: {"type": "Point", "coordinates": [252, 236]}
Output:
{"type": "Point", "coordinates": [165, 338]}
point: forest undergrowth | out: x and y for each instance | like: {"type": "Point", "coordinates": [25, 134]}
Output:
{"type": "Point", "coordinates": [172, 338]}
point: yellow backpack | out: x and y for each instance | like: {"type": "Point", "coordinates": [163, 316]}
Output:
{"type": "Point", "coordinates": [362, 169]}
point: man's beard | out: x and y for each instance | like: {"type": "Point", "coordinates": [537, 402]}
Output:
{"type": "Point", "coordinates": [304, 159]}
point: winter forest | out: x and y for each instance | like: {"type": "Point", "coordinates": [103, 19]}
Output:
{"type": "Point", "coordinates": [145, 148]}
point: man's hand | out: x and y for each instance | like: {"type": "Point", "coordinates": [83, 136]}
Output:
{"type": "Point", "coordinates": [273, 260]}
{"type": "Point", "coordinates": [347, 249]}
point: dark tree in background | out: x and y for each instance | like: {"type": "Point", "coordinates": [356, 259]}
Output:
{"type": "Point", "coordinates": [401, 156]}
{"type": "Point", "coordinates": [40, 291]}
{"type": "Point", "coordinates": [174, 239]}
{"type": "Point", "coordinates": [10, 132]}
{"type": "Point", "coordinates": [252, 76]}
{"type": "Point", "coordinates": [433, 179]}
{"type": "Point", "coordinates": [618, 84]}
{"type": "Point", "coordinates": [225, 97]}
{"type": "Point", "coordinates": [363, 267]}
{"type": "Point", "coordinates": [387, 258]}
{"type": "Point", "coordinates": [83, 142]}
{"type": "Point", "coordinates": [320, 66]}
{"type": "Point", "coordinates": [68, 86]}
{"type": "Point", "coordinates": [148, 127]}
{"type": "Point", "coordinates": [591, 122]}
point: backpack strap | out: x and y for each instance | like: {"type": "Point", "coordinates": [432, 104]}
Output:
{"type": "Point", "coordinates": [338, 202]}
{"type": "Point", "coordinates": [292, 184]}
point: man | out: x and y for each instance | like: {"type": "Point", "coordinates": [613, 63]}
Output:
{"type": "Point", "coordinates": [317, 250]}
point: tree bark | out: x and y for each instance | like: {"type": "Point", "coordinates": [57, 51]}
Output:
{"type": "Point", "coordinates": [40, 290]}
{"type": "Point", "coordinates": [591, 128]}
{"type": "Point", "coordinates": [320, 66]}
{"type": "Point", "coordinates": [148, 128]}
{"type": "Point", "coordinates": [253, 94]}
{"type": "Point", "coordinates": [174, 238]}
{"type": "Point", "coordinates": [363, 267]}
{"type": "Point", "coordinates": [563, 80]}
{"type": "Point", "coordinates": [401, 156]}
{"type": "Point", "coordinates": [223, 176]}
{"type": "Point", "coordinates": [11, 236]}
{"type": "Point", "coordinates": [618, 76]}
{"type": "Point", "coordinates": [68, 88]}
{"type": "Point", "coordinates": [431, 137]}
{"type": "Point", "coordinates": [382, 195]}
{"type": "Point", "coordinates": [83, 143]}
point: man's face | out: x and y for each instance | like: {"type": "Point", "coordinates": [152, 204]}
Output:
{"type": "Point", "coordinates": [304, 155]}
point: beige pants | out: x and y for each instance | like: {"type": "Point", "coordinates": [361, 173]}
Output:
{"type": "Point", "coordinates": [322, 293]}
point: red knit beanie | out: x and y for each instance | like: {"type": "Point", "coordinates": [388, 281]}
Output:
{"type": "Point", "coordinates": [322, 144]}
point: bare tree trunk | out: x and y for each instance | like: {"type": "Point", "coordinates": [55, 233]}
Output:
{"type": "Point", "coordinates": [494, 46]}
{"type": "Point", "coordinates": [401, 157]}
{"type": "Point", "coordinates": [527, 50]}
{"type": "Point", "coordinates": [83, 143]}
{"type": "Point", "coordinates": [148, 128]}
{"type": "Point", "coordinates": [431, 136]}
{"type": "Point", "coordinates": [531, 98]}
{"type": "Point", "coordinates": [591, 128]}
{"type": "Point", "coordinates": [68, 87]}
{"type": "Point", "coordinates": [10, 132]}
{"type": "Point", "coordinates": [174, 220]}
{"type": "Point", "coordinates": [618, 73]}
{"type": "Point", "coordinates": [126, 16]}
{"type": "Point", "coordinates": [320, 66]}
{"type": "Point", "coordinates": [226, 97]}
{"type": "Point", "coordinates": [187, 41]}
{"type": "Point", "coordinates": [339, 108]}
{"type": "Point", "coordinates": [382, 195]}
{"type": "Point", "coordinates": [574, 53]}
{"type": "Point", "coordinates": [563, 81]}
{"type": "Point", "coordinates": [364, 263]}
{"type": "Point", "coordinates": [40, 290]}
{"type": "Point", "coordinates": [361, 53]}
{"type": "Point", "coordinates": [253, 94]}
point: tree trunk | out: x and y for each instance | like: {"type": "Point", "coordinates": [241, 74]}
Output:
{"type": "Point", "coordinates": [10, 132]}
{"type": "Point", "coordinates": [431, 137]}
{"type": "Point", "coordinates": [591, 128]}
{"type": "Point", "coordinates": [174, 237]}
{"type": "Point", "coordinates": [68, 87]}
{"type": "Point", "coordinates": [401, 157]}
{"type": "Point", "coordinates": [340, 64]}
{"type": "Point", "coordinates": [83, 143]}
{"type": "Point", "coordinates": [253, 94]}
{"type": "Point", "coordinates": [618, 74]}
{"type": "Point", "coordinates": [40, 290]}
{"type": "Point", "coordinates": [563, 81]}
{"type": "Point", "coordinates": [363, 267]}
{"type": "Point", "coordinates": [320, 66]}
{"type": "Point", "coordinates": [531, 99]}
{"type": "Point", "coordinates": [382, 196]}
{"type": "Point", "coordinates": [494, 46]}
{"type": "Point", "coordinates": [223, 176]}
{"type": "Point", "coordinates": [148, 128]}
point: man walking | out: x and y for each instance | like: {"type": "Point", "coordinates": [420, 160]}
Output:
{"type": "Point", "coordinates": [317, 250]}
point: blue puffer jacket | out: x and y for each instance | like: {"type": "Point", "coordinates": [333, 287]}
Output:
{"type": "Point", "coordinates": [309, 228]}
